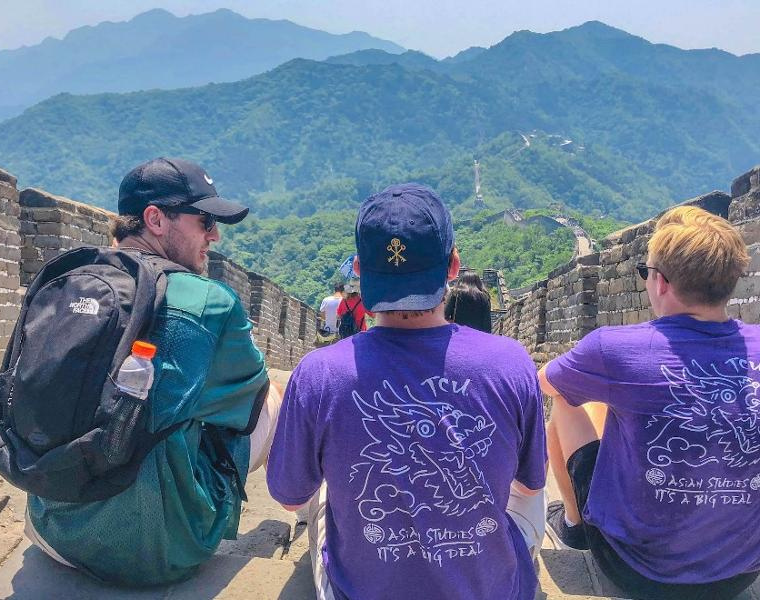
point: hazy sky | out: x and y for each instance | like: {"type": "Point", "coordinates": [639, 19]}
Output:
{"type": "Point", "coordinates": [437, 27]}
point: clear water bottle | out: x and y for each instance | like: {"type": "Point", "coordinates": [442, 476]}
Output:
{"type": "Point", "coordinates": [136, 373]}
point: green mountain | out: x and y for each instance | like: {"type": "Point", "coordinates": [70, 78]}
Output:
{"type": "Point", "coordinates": [649, 125]}
{"type": "Point", "coordinates": [590, 119]}
{"type": "Point", "coordinates": [158, 50]}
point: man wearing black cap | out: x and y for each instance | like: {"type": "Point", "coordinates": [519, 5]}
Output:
{"type": "Point", "coordinates": [418, 427]}
{"type": "Point", "coordinates": [208, 373]}
{"type": "Point", "coordinates": [170, 207]}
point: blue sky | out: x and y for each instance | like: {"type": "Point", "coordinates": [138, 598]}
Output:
{"type": "Point", "coordinates": [437, 27]}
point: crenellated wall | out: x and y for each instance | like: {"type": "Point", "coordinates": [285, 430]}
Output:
{"type": "Point", "coordinates": [744, 212]}
{"type": "Point", "coordinates": [36, 226]}
{"type": "Point", "coordinates": [10, 258]}
{"type": "Point", "coordinates": [551, 315]}
{"type": "Point", "coordinates": [51, 225]}
{"type": "Point", "coordinates": [280, 316]}
{"type": "Point", "coordinates": [571, 303]}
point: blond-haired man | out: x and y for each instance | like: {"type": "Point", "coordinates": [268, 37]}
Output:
{"type": "Point", "coordinates": [654, 437]}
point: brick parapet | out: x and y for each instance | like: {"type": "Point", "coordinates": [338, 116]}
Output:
{"type": "Point", "coordinates": [744, 212]}
{"type": "Point", "coordinates": [10, 258]}
{"type": "Point", "coordinates": [36, 226]}
{"type": "Point", "coordinates": [285, 328]}
{"type": "Point", "coordinates": [571, 304]}
{"type": "Point", "coordinates": [223, 269]}
{"type": "Point", "coordinates": [51, 225]}
{"type": "Point", "coordinates": [531, 329]}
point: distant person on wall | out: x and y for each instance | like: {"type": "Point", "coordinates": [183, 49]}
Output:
{"type": "Point", "coordinates": [210, 385]}
{"type": "Point", "coordinates": [352, 316]}
{"type": "Point", "coordinates": [668, 501]}
{"type": "Point", "coordinates": [405, 440]}
{"type": "Point", "coordinates": [328, 309]}
{"type": "Point", "coordinates": [468, 303]}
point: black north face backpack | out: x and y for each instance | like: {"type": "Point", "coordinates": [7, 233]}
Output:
{"type": "Point", "coordinates": [67, 433]}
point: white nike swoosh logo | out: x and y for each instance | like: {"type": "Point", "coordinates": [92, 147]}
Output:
{"type": "Point", "coordinates": [208, 179]}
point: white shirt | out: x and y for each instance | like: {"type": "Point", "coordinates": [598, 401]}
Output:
{"type": "Point", "coordinates": [329, 306]}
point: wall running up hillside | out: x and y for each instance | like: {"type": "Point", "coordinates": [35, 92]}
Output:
{"type": "Point", "coordinates": [599, 289]}
{"type": "Point", "coordinates": [36, 226]}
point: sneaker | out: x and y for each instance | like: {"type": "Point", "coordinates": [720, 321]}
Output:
{"type": "Point", "coordinates": [563, 535]}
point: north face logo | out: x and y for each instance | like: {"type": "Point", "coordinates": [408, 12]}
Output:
{"type": "Point", "coordinates": [85, 306]}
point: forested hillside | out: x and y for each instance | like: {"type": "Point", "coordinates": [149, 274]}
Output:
{"type": "Point", "coordinates": [649, 125]}
{"type": "Point", "coordinates": [590, 119]}
{"type": "Point", "coordinates": [303, 254]}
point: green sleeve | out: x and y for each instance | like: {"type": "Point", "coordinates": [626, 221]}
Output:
{"type": "Point", "coordinates": [235, 376]}
{"type": "Point", "coordinates": [207, 366]}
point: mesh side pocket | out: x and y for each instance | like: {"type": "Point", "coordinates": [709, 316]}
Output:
{"type": "Point", "coordinates": [124, 429]}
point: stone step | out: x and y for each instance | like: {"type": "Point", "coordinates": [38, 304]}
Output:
{"type": "Point", "coordinates": [30, 575]}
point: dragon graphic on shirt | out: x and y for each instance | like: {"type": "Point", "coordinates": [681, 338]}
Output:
{"type": "Point", "coordinates": [712, 406]}
{"type": "Point", "coordinates": [422, 455]}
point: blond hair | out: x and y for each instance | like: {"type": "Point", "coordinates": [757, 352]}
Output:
{"type": "Point", "coordinates": [701, 254]}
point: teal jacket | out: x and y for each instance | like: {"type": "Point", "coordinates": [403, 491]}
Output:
{"type": "Point", "coordinates": [179, 508]}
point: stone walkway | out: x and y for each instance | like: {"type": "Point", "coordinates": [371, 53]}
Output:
{"type": "Point", "coordinates": [268, 561]}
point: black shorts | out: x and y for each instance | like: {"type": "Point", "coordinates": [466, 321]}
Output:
{"type": "Point", "coordinates": [581, 468]}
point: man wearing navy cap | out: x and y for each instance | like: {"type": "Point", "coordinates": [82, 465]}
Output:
{"type": "Point", "coordinates": [418, 427]}
{"type": "Point", "coordinates": [208, 375]}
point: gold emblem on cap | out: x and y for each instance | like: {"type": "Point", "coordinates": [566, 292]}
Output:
{"type": "Point", "coordinates": [397, 248]}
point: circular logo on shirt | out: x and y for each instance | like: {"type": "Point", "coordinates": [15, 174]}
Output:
{"type": "Point", "coordinates": [655, 476]}
{"type": "Point", "coordinates": [755, 482]}
{"type": "Point", "coordinates": [374, 533]}
{"type": "Point", "coordinates": [485, 526]}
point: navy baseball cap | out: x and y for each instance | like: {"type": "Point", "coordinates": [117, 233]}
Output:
{"type": "Point", "coordinates": [404, 238]}
{"type": "Point", "coordinates": [175, 183]}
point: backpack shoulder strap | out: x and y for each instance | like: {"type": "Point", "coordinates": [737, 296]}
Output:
{"type": "Point", "coordinates": [161, 267]}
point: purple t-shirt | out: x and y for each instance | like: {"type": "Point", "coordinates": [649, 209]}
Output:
{"type": "Point", "coordinates": [675, 487]}
{"type": "Point", "coordinates": [419, 434]}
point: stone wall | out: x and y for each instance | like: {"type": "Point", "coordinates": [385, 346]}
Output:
{"type": "Point", "coordinates": [744, 212]}
{"type": "Point", "coordinates": [531, 328]}
{"type": "Point", "coordinates": [278, 318]}
{"type": "Point", "coordinates": [550, 316]}
{"type": "Point", "coordinates": [36, 226]}
{"type": "Point", "coordinates": [223, 269]}
{"type": "Point", "coordinates": [10, 258]}
{"type": "Point", "coordinates": [51, 225]}
{"type": "Point", "coordinates": [571, 303]}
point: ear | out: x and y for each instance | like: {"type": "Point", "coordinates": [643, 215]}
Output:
{"type": "Point", "coordinates": [454, 264]}
{"type": "Point", "coordinates": [357, 270]}
{"type": "Point", "coordinates": [661, 286]}
{"type": "Point", "coordinates": [155, 220]}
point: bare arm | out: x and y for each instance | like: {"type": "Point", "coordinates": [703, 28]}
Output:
{"type": "Point", "coordinates": [546, 387]}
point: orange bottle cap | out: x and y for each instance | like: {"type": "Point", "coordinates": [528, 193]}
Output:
{"type": "Point", "coordinates": [143, 349]}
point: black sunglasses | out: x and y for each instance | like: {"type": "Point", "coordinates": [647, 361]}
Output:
{"type": "Point", "coordinates": [208, 220]}
{"type": "Point", "coordinates": [643, 270]}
